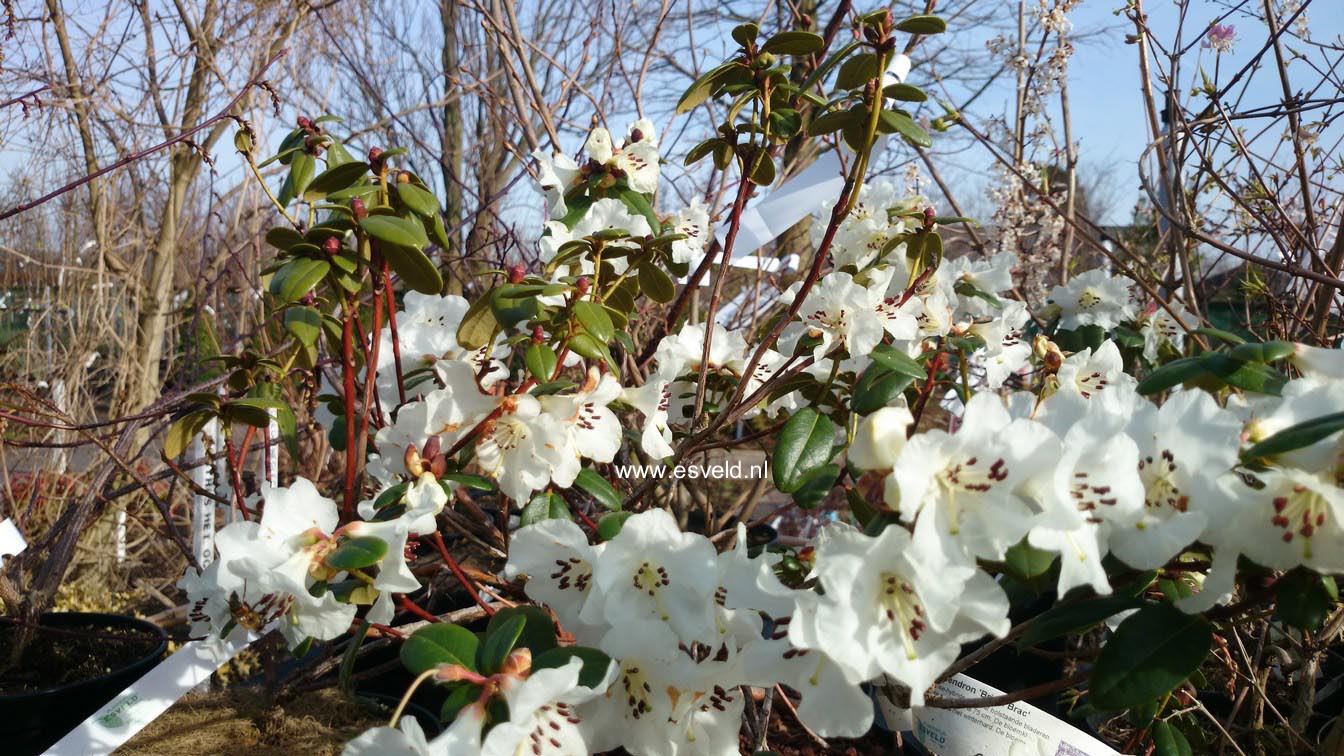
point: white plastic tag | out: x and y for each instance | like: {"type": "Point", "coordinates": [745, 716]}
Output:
{"type": "Point", "coordinates": [1017, 729]}
{"type": "Point", "coordinates": [12, 542]}
{"type": "Point", "coordinates": [128, 713]}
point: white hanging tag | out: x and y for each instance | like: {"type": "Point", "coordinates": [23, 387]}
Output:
{"type": "Point", "coordinates": [135, 707]}
{"type": "Point", "coordinates": [12, 542]}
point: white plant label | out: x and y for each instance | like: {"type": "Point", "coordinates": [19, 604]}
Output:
{"type": "Point", "coordinates": [1017, 728]}
{"type": "Point", "coordinates": [150, 696]}
{"type": "Point", "coordinates": [12, 542]}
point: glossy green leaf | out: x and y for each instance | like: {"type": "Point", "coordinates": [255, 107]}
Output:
{"type": "Point", "coordinates": [1298, 436]}
{"type": "Point", "coordinates": [703, 88]}
{"type": "Point", "coordinates": [420, 201]}
{"type": "Point", "coordinates": [414, 267]}
{"type": "Point", "coordinates": [1305, 599]}
{"type": "Point", "coordinates": [595, 320]}
{"type": "Point", "coordinates": [922, 24]}
{"type": "Point", "coordinates": [283, 237]}
{"type": "Point", "coordinates": [595, 663]}
{"type": "Point", "coordinates": [1248, 376]}
{"type": "Point", "coordinates": [301, 170]}
{"type": "Point", "coordinates": [1169, 741]}
{"type": "Point", "coordinates": [478, 326]}
{"type": "Point", "coordinates": [541, 361]}
{"type": "Point", "coordinates": [1152, 652]}
{"type": "Point", "coordinates": [439, 643]}
{"type": "Point", "coordinates": [305, 323]}
{"type": "Point", "coordinates": [1073, 618]}
{"type": "Point", "coordinates": [878, 386]}
{"type": "Point", "coordinates": [892, 122]}
{"type": "Point", "coordinates": [610, 524]}
{"type": "Point", "coordinates": [1024, 561]}
{"type": "Point", "coordinates": [183, 431]}
{"type": "Point", "coordinates": [296, 278]}
{"type": "Point", "coordinates": [898, 361]}
{"type": "Point", "coordinates": [499, 642]}
{"type": "Point", "coordinates": [656, 284]}
{"type": "Point", "coordinates": [396, 230]}
{"type": "Point", "coordinates": [816, 486]}
{"type": "Point", "coordinates": [538, 634]}
{"type": "Point", "coordinates": [544, 506]}
{"type": "Point", "coordinates": [794, 43]}
{"type": "Point", "coordinates": [357, 553]}
{"type": "Point", "coordinates": [857, 71]}
{"type": "Point", "coordinates": [1269, 351]}
{"type": "Point", "coordinates": [804, 445]}
{"type": "Point", "coordinates": [597, 487]}
{"type": "Point", "coordinates": [904, 93]}
{"type": "Point", "coordinates": [1172, 374]}
{"type": "Point", "coordinates": [333, 179]}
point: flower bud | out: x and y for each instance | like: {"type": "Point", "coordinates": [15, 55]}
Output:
{"type": "Point", "coordinates": [517, 273]}
{"type": "Point", "coordinates": [636, 135]}
{"type": "Point", "coordinates": [332, 246]}
{"type": "Point", "coordinates": [583, 285]}
{"type": "Point", "coordinates": [765, 60]}
{"type": "Point", "coordinates": [403, 178]}
{"type": "Point", "coordinates": [433, 447]}
{"type": "Point", "coordinates": [305, 123]}
{"type": "Point", "coordinates": [242, 141]}
{"type": "Point", "coordinates": [414, 465]}
{"type": "Point", "coordinates": [375, 154]}
{"type": "Point", "coordinates": [538, 335]}
{"type": "Point", "coordinates": [518, 663]}
{"type": "Point", "coordinates": [357, 207]}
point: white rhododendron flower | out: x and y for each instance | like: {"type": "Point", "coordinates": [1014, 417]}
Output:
{"type": "Point", "coordinates": [1093, 298]}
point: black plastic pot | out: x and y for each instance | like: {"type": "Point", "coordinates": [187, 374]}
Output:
{"type": "Point", "coordinates": [32, 721]}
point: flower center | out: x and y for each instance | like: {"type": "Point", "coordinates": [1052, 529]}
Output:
{"type": "Point", "coordinates": [572, 572]}
{"type": "Point", "coordinates": [1300, 512]}
{"type": "Point", "coordinates": [1088, 497]}
{"type": "Point", "coordinates": [637, 690]}
{"type": "Point", "coordinates": [649, 578]}
{"type": "Point", "coordinates": [971, 477]}
{"type": "Point", "coordinates": [1088, 299]}
{"type": "Point", "coordinates": [900, 604]}
{"type": "Point", "coordinates": [1159, 490]}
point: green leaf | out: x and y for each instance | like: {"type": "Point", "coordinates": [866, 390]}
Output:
{"type": "Point", "coordinates": [1219, 333]}
{"type": "Point", "coordinates": [414, 267]}
{"type": "Point", "coordinates": [514, 303]}
{"type": "Point", "coordinates": [283, 237]}
{"type": "Point", "coordinates": [1171, 374]}
{"type": "Point", "coordinates": [595, 663]}
{"type": "Point", "coordinates": [287, 426]}
{"type": "Point", "coordinates": [1024, 561]}
{"type": "Point", "coordinates": [544, 506]}
{"type": "Point", "coordinates": [1297, 436]}
{"type": "Point", "coordinates": [394, 229]}
{"type": "Point", "coordinates": [639, 205]}
{"type": "Point", "coordinates": [834, 121]}
{"type": "Point", "coordinates": [656, 284]}
{"type": "Point", "coordinates": [805, 444]}
{"type": "Point", "coordinates": [301, 170]}
{"type": "Point", "coordinates": [703, 87]}
{"type": "Point", "coordinates": [745, 34]}
{"type": "Point", "coordinates": [889, 121]}
{"type": "Point", "coordinates": [337, 154]}
{"type": "Point", "coordinates": [922, 25]}
{"type": "Point", "coordinates": [474, 482]}
{"type": "Point", "coordinates": [1168, 741]}
{"type": "Point", "coordinates": [584, 345]}
{"type": "Point", "coordinates": [904, 93]}
{"type": "Point", "coordinates": [333, 179]}
{"type": "Point", "coordinates": [762, 168]}
{"type": "Point", "coordinates": [794, 43]}
{"type": "Point", "coordinates": [898, 361]}
{"type": "Point", "coordinates": [305, 323]}
{"type": "Point", "coordinates": [1073, 618]}
{"type": "Point", "coordinates": [418, 200]}
{"type": "Point", "coordinates": [541, 361]}
{"type": "Point", "coordinates": [1269, 351]}
{"type": "Point", "coordinates": [879, 386]}
{"type": "Point", "coordinates": [1152, 652]}
{"type": "Point", "coordinates": [439, 643]}
{"type": "Point", "coordinates": [610, 524]}
{"type": "Point", "coordinates": [357, 553]}
{"type": "Point", "coordinates": [296, 278]}
{"type": "Point", "coordinates": [595, 320]}
{"type": "Point", "coordinates": [539, 632]}
{"type": "Point", "coordinates": [183, 431]}
{"type": "Point", "coordinates": [478, 325]}
{"type": "Point", "coordinates": [816, 486]}
{"type": "Point", "coordinates": [857, 71]}
{"type": "Point", "coordinates": [1248, 376]}
{"type": "Point", "coordinates": [597, 487]}
{"type": "Point", "coordinates": [1305, 599]}
{"type": "Point", "coordinates": [500, 638]}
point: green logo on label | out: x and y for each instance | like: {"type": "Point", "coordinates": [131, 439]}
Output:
{"type": "Point", "coordinates": [113, 719]}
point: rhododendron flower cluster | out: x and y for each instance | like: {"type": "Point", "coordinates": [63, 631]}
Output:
{"type": "Point", "coordinates": [1098, 436]}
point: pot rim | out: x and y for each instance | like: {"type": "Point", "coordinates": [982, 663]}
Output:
{"type": "Point", "coordinates": [91, 617]}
